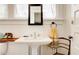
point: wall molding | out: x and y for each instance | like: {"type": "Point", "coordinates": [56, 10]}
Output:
{"type": "Point", "coordinates": [25, 22]}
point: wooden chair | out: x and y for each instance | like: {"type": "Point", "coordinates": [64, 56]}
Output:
{"type": "Point", "coordinates": [65, 44]}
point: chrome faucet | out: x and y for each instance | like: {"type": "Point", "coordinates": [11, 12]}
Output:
{"type": "Point", "coordinates": [34, 35]}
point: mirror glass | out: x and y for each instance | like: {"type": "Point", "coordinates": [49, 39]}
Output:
{"type": "Point", "coordinates": [35, 14]}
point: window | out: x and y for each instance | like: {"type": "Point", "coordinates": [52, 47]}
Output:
{"type": "Point", "coordinates": [3, 11]}
{"type": "Point", "coordinates": [49, 11]}
{"type": "Point", "coordinates": [21, 11]}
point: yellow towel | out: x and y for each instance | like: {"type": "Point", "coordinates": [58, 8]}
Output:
{"type": "Point", "coordinates": [53, 33]}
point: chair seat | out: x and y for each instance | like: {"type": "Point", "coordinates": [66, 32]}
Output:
{"type": "Point", "coordinates": [64, 43]}
{"type": "Point", "coordinates": [58, 54]}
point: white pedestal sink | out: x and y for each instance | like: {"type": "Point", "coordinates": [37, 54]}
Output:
{"type": "Point", "coordinates": [34, 44]}
{"type": "Point", "coordinates": [3, 48]}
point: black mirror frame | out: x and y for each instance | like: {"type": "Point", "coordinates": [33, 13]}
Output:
{"type": "Point", "coordinates": [41, 14]}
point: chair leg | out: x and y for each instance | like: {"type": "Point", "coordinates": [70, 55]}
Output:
{"type": "Point", "coordinates": [53, 51]}
{"type": "Point", "coordinates": [56, 50]}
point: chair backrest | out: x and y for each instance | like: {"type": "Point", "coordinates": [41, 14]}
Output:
{"type": "Point", "coordinates": [64, 44]}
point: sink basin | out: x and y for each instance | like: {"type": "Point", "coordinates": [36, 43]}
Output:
{"type": "Point", "coordinates": [40, 40]}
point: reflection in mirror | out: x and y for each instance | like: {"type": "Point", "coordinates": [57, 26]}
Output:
{"type": "Point", "coordinates": [35, 14]}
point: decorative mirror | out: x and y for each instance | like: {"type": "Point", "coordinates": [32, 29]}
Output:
{"type": "Point", "coordinates": [35, 14]}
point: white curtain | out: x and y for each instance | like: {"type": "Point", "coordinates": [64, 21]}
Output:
{"type": "Point", "coordinates": [21, 11]}
{"type": "Point", "coordinates": [49, 11]}
{"type": "Point", "coordinates": [3, 11]}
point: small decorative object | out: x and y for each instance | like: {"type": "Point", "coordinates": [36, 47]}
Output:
{"type": "Point", "coordinates": [8, 35]}
{"type": "Point", "coordinates": [1, 35]}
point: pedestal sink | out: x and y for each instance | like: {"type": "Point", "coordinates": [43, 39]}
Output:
{"type": "Point", "coordinates": [34, 43]}
{"type": "Point", "coordinates": [3, 48]}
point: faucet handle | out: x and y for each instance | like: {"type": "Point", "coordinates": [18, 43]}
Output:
{"type": "Point", "coordinates": [38, 35]}
{"type": "Point", "coordinates": [31, 35]}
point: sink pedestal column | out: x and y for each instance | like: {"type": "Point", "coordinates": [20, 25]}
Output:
{"type": "Point", "coordinates": [35, 50]}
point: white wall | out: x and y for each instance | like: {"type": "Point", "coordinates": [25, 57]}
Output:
{"type": "Point", "coordinates": [68, 21]}
{"type": "Point", "coordinates": [21, 28]}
